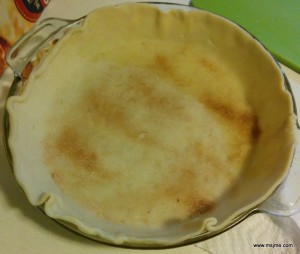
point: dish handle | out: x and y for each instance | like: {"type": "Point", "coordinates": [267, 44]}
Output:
{"type": "Point", "coordinates": [39, 37]}
{"type": "Point", "coordinates": [285, 200]}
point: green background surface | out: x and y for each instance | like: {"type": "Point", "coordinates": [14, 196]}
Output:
{"type": "Point", "coordinates": [276, 23]}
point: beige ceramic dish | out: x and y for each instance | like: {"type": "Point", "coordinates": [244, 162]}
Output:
{"type": "Point", "coordinates": [194, 131]}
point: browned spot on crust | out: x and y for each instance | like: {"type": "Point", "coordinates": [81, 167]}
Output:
{"type": "Point", "coordinates": [82, 161]}
{"type": "Point", "coordinates": [221, 108]}
{"type": "Point", "coordinates": [245, 122]}
{"type": "Point", "coordinates": [117, 112]}
{"type": "Point", "coordinates": [256, 130]}
{"type": "Point", "coordinates": [105, 111]}
{"type": "Point", "coordinates": [208, 65]}
{"type": "Point", "coordinates": [154, 99]}
{"type": "Point", "coordinates": [77, 150]}
{"type": "Point", "coordinates": [56, 177]}
{"type": "Point", "coordinates": [161, 62]}
{"type": "Point", "coordinates": [187, 174]}
{"type": "Point", "coordinates": [201, 206]}
{"type": "Point", "coordinates": [189, 196]}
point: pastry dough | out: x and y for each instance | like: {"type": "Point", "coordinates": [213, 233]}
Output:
{"type": "Point", "coordinates": [150, 126]}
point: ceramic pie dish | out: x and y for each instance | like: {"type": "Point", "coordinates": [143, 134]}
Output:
{"type": "Point", "coordinates": [148, 125]}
